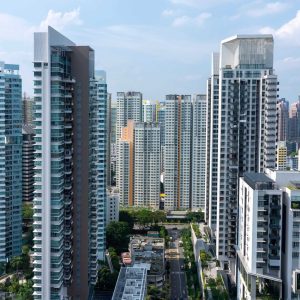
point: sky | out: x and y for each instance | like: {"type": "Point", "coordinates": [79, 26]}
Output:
{"type": "Point", "coordinates": [157, 47]}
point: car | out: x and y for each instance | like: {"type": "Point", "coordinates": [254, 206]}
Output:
{"type": "Point", "coordinates": [174, 228]}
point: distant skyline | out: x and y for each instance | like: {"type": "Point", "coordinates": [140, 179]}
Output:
{"type": "Point", "coordinates": [156, 47]}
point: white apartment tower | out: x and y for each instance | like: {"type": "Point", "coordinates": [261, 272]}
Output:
{"type": "Point", "coordinates": [149, 111]}
{"type": "Point", "coordinates": [129, 107]}
{"type": "Point", "coordinates": [246, 127]}
{"type": "Point", "coordinates": [259, 238]}
{"type": "Point", "coordinates": [199, 153]}
{"type": "Point", "coordinates": [147, 165]}
{"type": "Point", "coordinates": [178, 151]}
{"type": "Point", "coordinates": [212, 143]}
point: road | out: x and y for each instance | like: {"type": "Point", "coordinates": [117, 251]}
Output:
{"type": "Point", "coordinates": [176, 258]}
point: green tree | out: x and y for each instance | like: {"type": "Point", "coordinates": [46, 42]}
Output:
{"type": "Point", "coordinates": [193, 216]}
{"type": "Point", "coordinates": [106, 279]}
{"type": "Point", "coordinates": [114, 258]}
{"type": "Point", "coordinates": [16, 263]}
{"type": "Point", "coordinates": [144, 217]}
{"type": "Point", "coordinates": [159, 216]}
{"type": "Point", "coordinates": [117, 236]}
{"type": "Point", "coordinates": [27, 212]}
{"type": "Point", "coordinates": [128, 217]}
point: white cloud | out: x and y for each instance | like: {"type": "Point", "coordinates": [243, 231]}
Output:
{"type": "Point", "coordinates": [200, 3]}
{"type": "Point", "coordinates": [181, 21]}
{"type": "Point", "coordinates": [200, 19]}
{"type": "Point", "coordinates": [186, 20]}
{"type": "Point", "coordinates": [267, 9]}
{"type": "Point", "coordinates": [60, 20]}
{"type": "Point", "coordinates": [168, 13]}
{"type": "Point", "coordinates": [289, 31]}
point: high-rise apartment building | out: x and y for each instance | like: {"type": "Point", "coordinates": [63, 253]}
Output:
{"type": "Point", "coordinates": [282, 119]}
{"type": "Point", "coordinates": [178, 151]}
{"type": "Point", "coordinates": [281, 156]}
{"type": "Point", "coordinates": [129, 107]}
{"type": "Point", "coordinates": [113, 122]}
{"type": "Point", "coordinates": [28, 110]}
{"type": "Point", "coordinates": [212, 143]}
{"type": "Point", "coordinates": [246, 127]}
{"type": "Point", "coordinates": [199, 153]}
{"type": "Point", "coordinates": [147, 164]}
{"type": "Point", "coordinates": [294, 122]}
{"type": "Point", "coordinates": [260, 238]}
{"type": "Point", "coordinates": [149, 111]}
{"type": "Point", "coordinates": [125, 164]}
{"type": "Point", "coordinates": [28, 163]}
{"type": "Point", "coordinates": [161, 116]}
{"type": "Point", "coordinates": [70, 168]}
{"type": "Point", "coordinates": [139, 165]}
{"type": "Point", "coordinates": [11, 161]}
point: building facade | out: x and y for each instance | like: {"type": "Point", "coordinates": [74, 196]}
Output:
{"type": "Point", "coordinates": [149, 111]}
{"type": "Point", "coordinates": [259, 238]}
{"type": "Point", "coordinates": [198, 200]}
{"type": "Point", "coordinates": [178, 151]}
{"type": "Point", "coordinates": [70, 168]}
{"type": "Point", "coordinates": [212, 143]}
{"type": "Point", "coordinates": [246, 129]}
{"type": "Point", "coordinates": [282, 119]}
{"type": "Point", "coordinates": [294, 122]}
{"type": "Point", "coordinates": [281, 160]}
{"type": "Point", "coordinates": [11, 161]}
{"type": "Point", "coordinates": [129, 107]}
{"type": "Point", "coordinates": [146, 165]}
{"type": "Point", "coordinates": [112, 205]}
{"type": "Point", "coordinates": [28, 163]}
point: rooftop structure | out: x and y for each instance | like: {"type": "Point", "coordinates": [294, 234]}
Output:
{"type": "Point", "coordinates": [131, 284]}
{"type": "Point", "coordinates": [149, 250]}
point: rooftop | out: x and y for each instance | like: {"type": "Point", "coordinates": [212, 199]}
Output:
{"type": "Point", "coordinates": [131, 284]}
{"type": "Point", "coordinates": [259, 181]}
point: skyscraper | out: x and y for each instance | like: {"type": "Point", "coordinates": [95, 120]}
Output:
{"type": "Point", "coordinates": [125, 164]}
{"type": "Point", "coordinates": [11, 161]}
{"type": "Point", "coordinates": [28, 110]}
{"type": "Point", "coordinates": [294, 122]}
{"type": "Point", "coordinates": [139, 165]}
{"type": "Point", "coordinates": [212, 143]}
{"type": "Point", "coordinates": [129, 107]}
{"type": "Point", "coordinates": [149, 111]}
{"type": "Point", "coordinates": [147, 165]}
{"type": "Point", "coordinates": [178, 151]}
{"type": "Point", "coordinates": [28, 163]}
{"type": "Point", "coordinates": [199, 153]}
{"type": "Point", "coordinates": [70, 168]}
{"type": "Point", "coordinates": [113, 122]}
{"type": "Point", "coordinates": [282, 119]}
{"type": "Point", "coordinates": [161, 116]}
{"type": "Point", "coordinates": [246, 130]}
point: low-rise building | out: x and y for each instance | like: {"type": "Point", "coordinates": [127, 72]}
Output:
{"type": "Point", "coordinates": [112, 205]}
{"type": "Point", "coordinates": [149, 250]}
{"type": "Point", "coordinates": [131, 284]}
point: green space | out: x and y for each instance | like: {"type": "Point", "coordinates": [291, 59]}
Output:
{"type": "Point", "coordinates": [190, 265]}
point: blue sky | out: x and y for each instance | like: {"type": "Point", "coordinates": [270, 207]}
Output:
{"type": "Point", "coordinates": [154, 46]}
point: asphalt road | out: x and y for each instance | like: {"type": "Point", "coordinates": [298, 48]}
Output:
{"type": "Point", "coordinates": [176, 258]}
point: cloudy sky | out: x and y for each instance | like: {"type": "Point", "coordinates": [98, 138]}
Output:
{"type": "Point", "coordinates": [154, 46]}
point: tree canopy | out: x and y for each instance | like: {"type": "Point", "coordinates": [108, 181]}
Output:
{"type": "Point", "coordinates": [117, 236]}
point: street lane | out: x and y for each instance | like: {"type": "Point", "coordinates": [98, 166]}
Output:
{"type": "Point", "coordinates": [177, 275]}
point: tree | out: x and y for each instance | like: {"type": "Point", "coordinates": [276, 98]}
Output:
{"type": "Point", "coordinates": [16, 262]}
{"type": "Point", "coordinates": [106, 279]}
{"type": "Point", "coordinates": [159, 216]}
{"type": "Point", "coordinates": [117, 236]}
{"type": "Point", "coordinates": [27, 211]}
{"type": "Point", "coordinates": [193, 216]}
{"type": "Point", "coordinates": [144, 217]}
{"type": "Point", "coordinates": [128, 217]}
{"type": "Point", "coordinates": [114, 258]}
